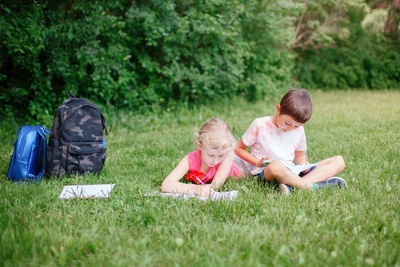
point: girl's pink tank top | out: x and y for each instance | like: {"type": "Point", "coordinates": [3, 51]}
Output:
{"type": "Point", "coordinates": [194, 159]}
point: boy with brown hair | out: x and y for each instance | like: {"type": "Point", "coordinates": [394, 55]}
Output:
{"type": "Point", "coordinates": [280, 140]}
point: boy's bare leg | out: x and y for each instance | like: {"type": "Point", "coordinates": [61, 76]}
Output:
{"type": "Point", "coordinates": [326, 169]}
{"type": "Point", "coordinates": [277, 171]}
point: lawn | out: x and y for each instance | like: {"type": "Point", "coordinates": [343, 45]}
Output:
{"type": "Point", "coordinates": [358, 226]}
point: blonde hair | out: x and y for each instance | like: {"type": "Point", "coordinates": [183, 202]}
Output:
{"type": "Point", "coordinates": [216, 135]}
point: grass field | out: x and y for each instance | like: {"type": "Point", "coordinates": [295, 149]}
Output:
{"type": "Point", "coordinates": [359, 226]}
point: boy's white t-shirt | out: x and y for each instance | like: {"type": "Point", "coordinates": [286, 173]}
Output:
{"type": "Point", "coordinates": [266, 140]}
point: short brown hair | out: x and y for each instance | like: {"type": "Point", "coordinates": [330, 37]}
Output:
{"type": "Point", "coordinates": [297, 103]}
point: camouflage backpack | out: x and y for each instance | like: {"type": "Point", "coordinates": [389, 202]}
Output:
{"type": "Point", "coordinates": [76, 144]}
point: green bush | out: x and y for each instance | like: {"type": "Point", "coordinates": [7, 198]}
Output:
{"type": "Point", "coordinates": [365, 61]}
{"type": "Point", "coordinates": [137, 54]}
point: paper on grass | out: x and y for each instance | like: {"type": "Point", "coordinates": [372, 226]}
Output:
{"type": "Point", "coordinates": [228, 195]}
{"type": "Point", "coordinates": [297, 169]}
{"type": "Point", "coordinates": [86, 191]}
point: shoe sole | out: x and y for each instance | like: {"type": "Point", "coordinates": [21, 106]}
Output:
{"type": "Point", "coordinates": [342, 183]}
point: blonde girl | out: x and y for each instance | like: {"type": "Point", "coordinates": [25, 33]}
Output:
{"type": "Point", "coordinates": [213, 161]}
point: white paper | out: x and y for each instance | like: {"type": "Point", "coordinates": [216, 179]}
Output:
{"type": "Point", "coordinates": [297, 169]}
{"type": "Point", "coordinates": [228, 195]}
{"type": "Point", "coordinates": [86, 191]}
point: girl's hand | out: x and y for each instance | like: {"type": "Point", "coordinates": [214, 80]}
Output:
{"type": "Point", "coordinates": [206, 190]}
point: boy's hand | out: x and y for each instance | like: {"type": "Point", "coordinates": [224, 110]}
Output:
{"type": "Point", "coordinates": [300, 158]}
{"type": "Point", "coordinates": [260, 162]}
{"type": "Point", "coordinates": [206, 190]}
{"type": "Point", "coordinates": [304, 162]}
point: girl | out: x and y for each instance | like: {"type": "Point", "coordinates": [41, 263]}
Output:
{"type": "Point", "coordinates": [212, 161]}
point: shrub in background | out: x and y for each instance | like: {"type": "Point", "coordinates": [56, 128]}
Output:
{"type": "Point", "coordinates": [137, 54]}
{"type": "Point", "coordinates": [365, 60]}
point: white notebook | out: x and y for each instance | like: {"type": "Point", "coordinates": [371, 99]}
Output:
{"type": "Point", "coordinates": [86, 191]}
{"type": "Point", "coordinates": [228, 195]}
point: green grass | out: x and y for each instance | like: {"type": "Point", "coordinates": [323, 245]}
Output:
{"type": "Point", "coordinates": [359, 226]}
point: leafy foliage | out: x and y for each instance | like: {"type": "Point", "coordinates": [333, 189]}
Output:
{"type": "Point", "coordinates": [135, 54]}
{"type": "Point", "coordinates": [364, 61]}
{"type": "Point", "coordinates": [320, 23]}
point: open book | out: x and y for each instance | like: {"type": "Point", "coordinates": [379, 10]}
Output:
{"type": "Point", "coordinates": [297, 169]}
{"type": "Point", "coordinates": [228, 195]}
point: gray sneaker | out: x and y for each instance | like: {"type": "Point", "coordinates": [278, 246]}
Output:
{"type": "Point", "coordinates": [285, 189]}
{"type": "Point", "coordinates": [332, 182]}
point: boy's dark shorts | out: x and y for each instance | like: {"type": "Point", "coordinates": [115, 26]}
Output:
{"type": "Point", "coordinates": [274, 183]}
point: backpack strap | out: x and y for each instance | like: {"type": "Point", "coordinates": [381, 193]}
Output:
{"type": "Point", "coordinates": [71, 95]}
{"type": "Point", "coordinates": [42, 132]}
{"type": "Point", "coordinates": [104, 123]}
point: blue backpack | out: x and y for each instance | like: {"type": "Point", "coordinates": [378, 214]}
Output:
{"type": "Point", "coordinates": [29, 157]}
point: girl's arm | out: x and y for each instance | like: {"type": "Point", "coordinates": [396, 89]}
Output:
{"type": "Point", "coordinates": [300, 157]}
{"type": "Point", "coordinates": [171, 183]}
{"type": "Point", "coordinates": [245, 155]}
{"type": "Point", "coordinates": [223, 170]}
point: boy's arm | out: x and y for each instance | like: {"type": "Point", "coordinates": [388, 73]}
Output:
{"type": "Point", "coordinates": [171, 183]}
{"type": "Point", "coordinates": [245, 155]}
{"type": "Point", "coordinates": [300, 157]}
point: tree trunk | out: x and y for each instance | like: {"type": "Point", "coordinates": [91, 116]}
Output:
{"type": "Point", "coordinates": [392, 22]}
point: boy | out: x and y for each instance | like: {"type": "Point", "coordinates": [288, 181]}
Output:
{"type": "Point", "coordinates": [282, 136]}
